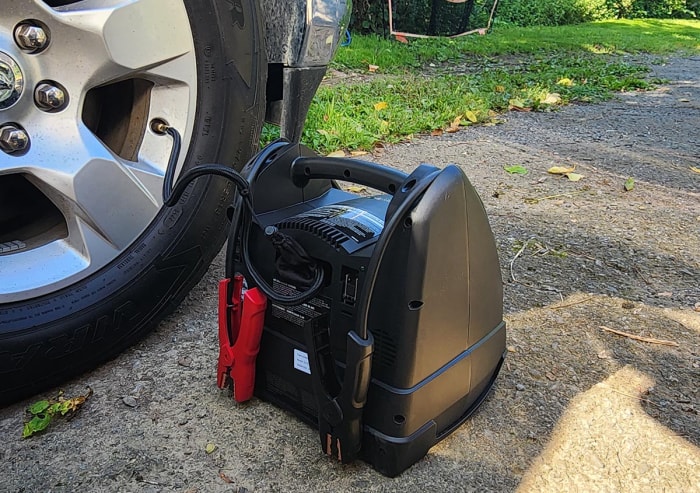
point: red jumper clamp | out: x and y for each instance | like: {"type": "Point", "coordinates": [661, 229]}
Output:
{"type": "Point", "coordinates": [240, 329]}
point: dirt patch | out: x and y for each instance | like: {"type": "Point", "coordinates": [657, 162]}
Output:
{"type": "Point", "coordinates": [575, 407]}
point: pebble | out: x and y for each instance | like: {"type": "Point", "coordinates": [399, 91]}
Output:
{"type": "Point", "coordinates": [130, 401]}
{"type": "Point", "coordinates": [520, 387]}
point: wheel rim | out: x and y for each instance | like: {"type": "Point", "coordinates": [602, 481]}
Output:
{"type": "Point", "coordinates": [87, 180]}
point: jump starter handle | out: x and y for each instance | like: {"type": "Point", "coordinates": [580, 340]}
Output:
{"type": "Point", "coordinates": [381, 178]}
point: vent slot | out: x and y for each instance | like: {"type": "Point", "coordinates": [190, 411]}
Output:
{"type": "Point", "coordinates": [326, 232]}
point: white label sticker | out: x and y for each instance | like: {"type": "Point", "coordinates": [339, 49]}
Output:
{"type": "Point", "coordinates": [301, 361]}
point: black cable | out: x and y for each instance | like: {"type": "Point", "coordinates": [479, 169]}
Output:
{"type": "Point", "coordinates": [246, 216]}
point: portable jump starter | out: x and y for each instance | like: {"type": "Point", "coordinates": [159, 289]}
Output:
{"type": "Point", "coordinates": [382, 325]}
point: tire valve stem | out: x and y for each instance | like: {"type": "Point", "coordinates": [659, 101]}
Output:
{"type": "Point", "coordinates": [159, 126]}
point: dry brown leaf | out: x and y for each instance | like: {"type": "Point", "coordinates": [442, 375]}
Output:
{"type": "Point", "coordinates": [358, 153]}
{"type": "Point", "coordinates": [337, 154]}
{"type": "Point", "coordinates": [454, 126]}
{"type": "Point", "coordinates": [372, 68]}
{"type": "Point", "coordinates": [694, 169]}
{"type": "Point", "coordinates": [436, 133]}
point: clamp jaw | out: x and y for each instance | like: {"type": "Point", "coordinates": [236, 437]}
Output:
{"type": "Point", "coordinates": [241, 319]}
{"type": "Point", "coordinates": [340, 407]}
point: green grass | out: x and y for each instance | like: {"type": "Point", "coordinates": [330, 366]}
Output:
{"type": "Point", "coordinates": [604, 37]}
{"type": "Point", "coordinates": [417, 89]}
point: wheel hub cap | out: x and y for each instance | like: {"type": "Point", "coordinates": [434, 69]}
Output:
{"type": "Point", "coordinates": [11, 81]}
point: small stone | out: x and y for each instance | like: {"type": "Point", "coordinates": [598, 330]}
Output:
{"type": "Point", "coordinates": [628, 305]}
{"type": "Point", "coordinates": [184, 361]}
{"type": "Point", "coordinates": [520, 387]}
{"type": "Point", "coordinates": [130, 401]}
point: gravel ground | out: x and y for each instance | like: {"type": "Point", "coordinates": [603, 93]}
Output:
{"type": "Point", "coordinates": [575, 408]}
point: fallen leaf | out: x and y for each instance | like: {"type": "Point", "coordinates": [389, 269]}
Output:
{"type": "Point", "coordinates": [684, 100]}
{"type": "Point", "coordinates": [454, 126]}
{"type": "Point", "coordinates": [565, 81]}
{"type": "Point", "coordinates": [552, 98]}
{"type": "Point", "coordinates": [358, 153]}
{"type": "Point", "coordinates": [516, 169]}
{"type": "Point", "coordinates": [665, 294]}
{"type": "Point", "coordinates": [355, 189]}
{"type": "Point", "coordinates": [225, 478]}
{"type": "Point", "coordinates": [471, 116]}
{"type": "Point", "coordinates": [561, 170]}
{"type": "Point", "coordinates": [36, 424]}
{"type": "Point", "coordinates": [401, 39]}
{"type": "Point", "coordinates": [380, 105]}
{"type": "Point", "coordinates": [499, 89]}
{"type": "Point", "coordinates": [39, 407]}
{"type": "Point", "coordinates": [372, 68]}
{"type": "Point", "coordinates": [694, 169]}
{"type": "Point", "coordinates": [573, 176]}
{"type": "Point", "coordinates": [210, 448]}
{"type": "Point", "coordinates": [436, 133]}
{"type": "Point", "coordinates": [629, 184]}
{"type": "Point", "coordinates": [337, 154]}
{"type": "Point", "coordinates": [323, 132]}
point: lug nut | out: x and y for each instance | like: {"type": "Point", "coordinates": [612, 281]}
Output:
{"type": "Point", "coordinates": [49, 97]}
{"type": "Point", "coordinates": [13, 139]}
{"type": "Point", "coordinates": [31, 38]}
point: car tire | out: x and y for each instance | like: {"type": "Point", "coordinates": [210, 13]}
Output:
{"type": "Point", "coordinates": [45, 340]}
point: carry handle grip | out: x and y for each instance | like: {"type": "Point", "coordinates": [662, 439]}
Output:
{"type": "Point", "coordinates": [381, 178]}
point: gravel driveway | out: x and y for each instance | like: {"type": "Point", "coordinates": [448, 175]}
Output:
{"type": "Point", "coordinates": [576, 407]}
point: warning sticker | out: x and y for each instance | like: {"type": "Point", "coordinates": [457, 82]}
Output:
{"type": "Point", "coordinates": [298, 314]}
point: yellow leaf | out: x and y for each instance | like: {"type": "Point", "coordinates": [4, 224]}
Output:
{"type": "Point", "coordinates": [552, 98]}
{"type": "Point", "coordinates": [500, 89]}
{"type": "Point", "coordinates": [380, 105]}
{"type": "Point", "coordinates": [694, 169]}
{"type": "Point", "coordinates": [358, 153]}
{"type": "Point", "coordinates": [471, 116]}
{"type": "Point", "coordinates": [573, 176]}
{"type": "Point", "coordinates": [560, 170]}
{"type": "Point", "coordinates": [373, 68]}
{"type": "Point", "coordinates": [565, 82]}
{"type": "Point", "coordinates": [355, 189]}
{"type": "Point", "coordinates": [210, 448]}
{"type": "Point", "coordinates": [337, 154]}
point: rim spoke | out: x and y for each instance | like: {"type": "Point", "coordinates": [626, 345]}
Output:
{"type": "Point", "coordinates": [115, 39]}
{"type": "Point", "coordinates": [93, 189]}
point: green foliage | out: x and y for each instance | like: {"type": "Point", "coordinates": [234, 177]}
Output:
{"type": "Point", "coordinates": [437, 85]}
{"type": "Point", "coordinates": [371, 16]}
{"type": "Point", "coordinates": [42, 412]}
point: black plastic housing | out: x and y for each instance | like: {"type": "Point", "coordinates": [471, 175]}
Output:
{"type": "Point", "coordinates": [436, 309]}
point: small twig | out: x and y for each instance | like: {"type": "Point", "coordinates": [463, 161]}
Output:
{"type": "Point", "coordinates": [522, 249]}
{"type": "Point", "coordinates": [650, 340]}
{"type": "Point", "coordinates": [630, 395]}
{"type": "Point", "coordinates": [572, 303]}
{"type": "Point", "coordinates": [534, 200]}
